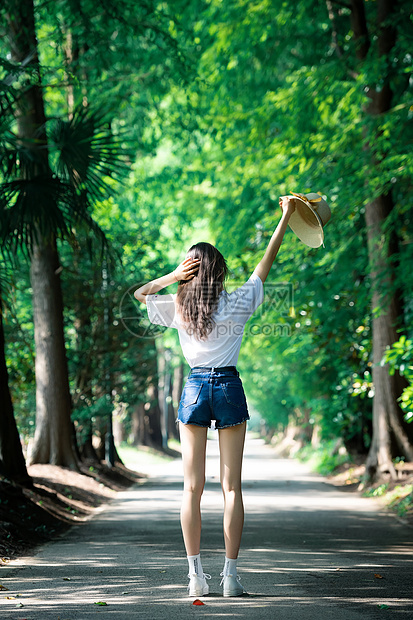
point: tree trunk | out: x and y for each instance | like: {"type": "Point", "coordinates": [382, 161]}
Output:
{"type": "Point", "coordinates": [119, 432]}
{"type": "Point", "coordinates": [176, 391]}
{"type": "Point", "coordinates": [316, 436]}
{"type": "Point", "coordinates": [138, 424]}
{"type": "Point", "coordinates": [163, 389]}
{"type": "Point", "coordinates": [88, 452]}
{"type": "Point", "coordinates": [171, 411]}
{"type": "Point", "coordinates": [71, 53]}
{"type": "Point", "coordinates": [53, 442]}
{"type": "Point", "coordinates": [53, 437]}
{"type": "Point", "coordinates": [153, 432]}
{"type": "Point", "coordinates": [99, 445]}
{"type": "Point", "coordinates": [387, 415]}
{"type": "Point", "coordinates": [386, 309]}
{"type": "Point", "coordinates": [12, 464]}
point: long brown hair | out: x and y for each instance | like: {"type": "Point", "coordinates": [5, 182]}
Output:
{"type": "Point", "coordinates": [197, 299]}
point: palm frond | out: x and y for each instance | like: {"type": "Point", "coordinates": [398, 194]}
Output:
{"type": "Point", "coordinates": [10, 74]}
{"type": "Point", "coordinates": [37, 200]}
{"type": "Point", "coordinates": [7, 93]}
{"type": "Point", "coordinates": [41, 207]}
{"type": "Point", "coordinates": [88, 154]}
{"type": "Point", "coordinates": [17, 158]}
{"type": "Point", "coordinates": [5, 277]}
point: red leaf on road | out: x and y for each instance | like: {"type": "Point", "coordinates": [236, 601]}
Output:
{"type": "Point", "coordinates": [198, 602]}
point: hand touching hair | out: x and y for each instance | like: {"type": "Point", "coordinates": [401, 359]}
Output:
{"type": "Point", "coordinates": [187, 269]}
{"type": "Point", "coordinates": [197, 297]}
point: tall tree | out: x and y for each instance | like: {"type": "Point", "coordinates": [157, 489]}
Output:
{"type": "Point", "coordinates": [12, 464]}
{"type": "Point", "coordinates": [43, 204]}
{"type": "Point", "coordinates": [53, 439]}
{"type": "Point", "coordinates": [383, 249]}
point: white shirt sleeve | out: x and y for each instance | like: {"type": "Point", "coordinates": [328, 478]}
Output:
{"type": "Point", "coordinates": [246, 299]}
{"type": "Point", "coordinates": [161, 310]}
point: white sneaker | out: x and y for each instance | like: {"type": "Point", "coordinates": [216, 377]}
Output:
{"type": "Point", "coordinates": [232, 585]}
{"type": "Point", "coordinates": [197, 585]}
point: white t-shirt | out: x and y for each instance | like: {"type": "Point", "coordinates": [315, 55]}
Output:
{"type": "Point", "coordinates": [222, 346]}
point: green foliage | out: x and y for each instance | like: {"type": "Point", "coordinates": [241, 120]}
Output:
{"type": "Point", "coordinates": [19, 349]}
{"type": "Point", "coordinates": [219, 108]}
{"type": "Point", "coordinates": [37, 199]}
{"type": "Point", "coordinates": [401, 499]}
{"type": "Point", "coordinates": [398, 498]}
{"type": "Point", "coordinates": [378, 491]}
{"type": "Point", "coordinates": [87, 151]}
{"type": "Point", "coordinates": [325, 459]}
{"type": "Point", "coordinates": [279, 110]}
{"type": "Point", "coordinates": [400, 358]}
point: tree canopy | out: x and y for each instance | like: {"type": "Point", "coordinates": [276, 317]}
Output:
{"type": "Point", "coordinates": [218, 109]}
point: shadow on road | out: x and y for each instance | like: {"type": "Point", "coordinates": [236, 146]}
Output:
{"type": "Point", "coordinates": [309, 551]}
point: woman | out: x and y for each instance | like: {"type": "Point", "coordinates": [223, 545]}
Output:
{"type": "Point", "coordinates": [210, 324]}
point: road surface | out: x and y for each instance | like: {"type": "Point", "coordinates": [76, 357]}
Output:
{"type": "Point", "coordinates": [309, 551]}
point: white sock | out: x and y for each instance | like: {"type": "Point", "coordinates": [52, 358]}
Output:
{"type": "Point", "coordinates": [230, 567]}
{"type": "Point", "coordinates": [195, 566]}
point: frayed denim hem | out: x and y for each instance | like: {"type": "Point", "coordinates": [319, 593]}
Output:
{"type": "Point", "coordinates": [219, 428]}
{"type": "Point", "coordinates": [192, 424]}
{"type": "Point", "coordinates": [215, 428]}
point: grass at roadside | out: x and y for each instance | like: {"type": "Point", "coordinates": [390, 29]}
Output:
{"type": "Point", "coordinates": [144, 459]}
{"type": "Point", "coordinates": [398, 498]}
{"type": "Point", "coordinates": [343, 469]}
{"type": "Point", "coordinates": [326, 459]}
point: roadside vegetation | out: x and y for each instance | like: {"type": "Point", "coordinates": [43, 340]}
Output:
{"type": "Point", "coordinates": [345, 470]}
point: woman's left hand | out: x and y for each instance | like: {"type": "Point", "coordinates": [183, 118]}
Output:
{"type": "Point", "coordinates": [287, 204]}
{"type": "Point", "coordinates": [187, 269]}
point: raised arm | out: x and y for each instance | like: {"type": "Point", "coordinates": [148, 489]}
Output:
{"type": "Point", "coordinates": [185, 271]}
{"type": "Point", "coordinates": [263, 268]}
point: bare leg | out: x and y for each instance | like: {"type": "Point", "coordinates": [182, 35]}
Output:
{"type": "Point", "coordinates": [231, 447]}
{"type": "Point", "coordinates": [193, 444]}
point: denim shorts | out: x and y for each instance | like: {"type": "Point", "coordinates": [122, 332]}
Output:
{"type": "Point", "coordinates": [213, 394]}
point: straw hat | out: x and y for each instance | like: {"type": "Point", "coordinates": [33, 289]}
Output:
{"type": "Point", "coordinates": [309, 218]}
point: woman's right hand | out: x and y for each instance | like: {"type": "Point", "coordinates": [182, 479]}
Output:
{"type": "Point", "coordinates": [187, 269]}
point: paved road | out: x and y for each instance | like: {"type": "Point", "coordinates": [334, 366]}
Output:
{"type": "Point", "coordinates": [309, 551]}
